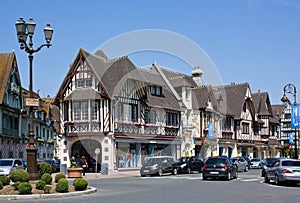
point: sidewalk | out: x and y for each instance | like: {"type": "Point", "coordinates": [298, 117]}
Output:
{"type": "Point", "coordinates": [121, 173]}
{"type": "Point", "coordinates": [114, 174]}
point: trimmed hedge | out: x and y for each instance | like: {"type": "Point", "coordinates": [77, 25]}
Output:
{"type": "Point", "coordinates": [43, 168]}
{"type": "Point", "coordinates": [40, 185]}
{"type": "Point", "coordinates": [80, 184]}
{"type": "Point", "coordinates": [1, 185]}
{"type": "Point", "coordinates": [47, 178]}
{"type": "Point", "coordinates": [19, 175]}
{"type": "Point", "coordinates": [59, 176]}
{"type": "Point", "coordinates": [5, 180]}
{"type": "Point", "coordinates": [25, 188]}
{"type": "Point", "coordinates": [62, 185]}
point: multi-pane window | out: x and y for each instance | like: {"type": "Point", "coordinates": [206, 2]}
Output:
{"type": "Point", "coordinates": [245, 128]}
{"type": "Point", "coordinates": [150, 117]}
{"type": "Point", "coordinates": [76, 111]}
{"type": "Point", "coordinates": [155, 90]}
{"type": "Point", "coordinates": [84, 111]}
{"type": "Point", "coordinates": [171, 119]}
{"type": "Point", "coordinates": [129, 112]}
{"type": "Point", "coordinates": [227, 123]}
{"type": "Point", "coordinates": [95, 111]}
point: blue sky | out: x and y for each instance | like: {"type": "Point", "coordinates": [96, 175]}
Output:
{"type": "Point", "coordinates": [254, 41]}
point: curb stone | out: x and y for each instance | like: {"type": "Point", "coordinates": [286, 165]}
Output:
{"type": "Point", "coordinates": [90, 190]}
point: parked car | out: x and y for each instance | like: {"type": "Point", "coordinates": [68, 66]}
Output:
{"type": "Point", "coordinates": [189, 164]}
{"type": "Point", "coordinates": [8, 165]}
{"type": "Point", "coordinates": [267, 163]}
{"type": "Point", "coordinates": [241, 163]}
{"type": "Point", "coordinates": [248, 159]}
{"type": "Point", "coordinates": [257, 163]}
{"type": "Point", "coordinates": [219, 167]}
{"type": "Point", "coordinates": [283, 170]}
{"type": "Point", "coordinates": [158, 165]}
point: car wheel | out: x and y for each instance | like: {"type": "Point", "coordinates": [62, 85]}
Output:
{"type": "Point", "coordinates": [160, 172]}
{"type": "Point", "coordinates": [228, 176]}
{"type": "Point", "coordinates": [143, 175]}
{"type": "Point", "coordinates": [277, 181]}
{"type": "Point", "coordinates": [174, 171]}
{"type": "Point", "coordinates": [188, 170]}
{"type": "Point", "coordinates": [267, 179]}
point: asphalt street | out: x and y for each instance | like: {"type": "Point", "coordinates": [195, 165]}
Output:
{"type": "Point", "coordinates": [248, 188]}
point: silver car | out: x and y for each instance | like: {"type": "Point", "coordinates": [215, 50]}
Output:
{"type": "Point", "coordinates": [283, 170]}
{"type": "Point", "coordinates": [8, 165]}
{"type": "Point", "coordinates": [241, 163]}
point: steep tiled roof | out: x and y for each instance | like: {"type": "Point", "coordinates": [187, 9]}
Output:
{"type": "Point", "coordinates": [201, 96]}
{"type": "Point", "coordinates": [261, 103]}
{"type": "Point", "coordinates": [6, 62]}
{"type": "Point", "coordinates": [235, 97]}
{"type": "Point", "coordinates": [113, 75]}
{"type": "Point", "coordinates": [167, 100]}
{"type": "Point", "coordinates": [179, 79]}
{"type": "Point", "coordinates": [278, 110]}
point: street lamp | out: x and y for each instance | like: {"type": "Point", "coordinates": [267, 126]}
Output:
{"type": "Point", "coordinates": [291, 89]}
{"type": "Point", "coordinates": [23, 31]}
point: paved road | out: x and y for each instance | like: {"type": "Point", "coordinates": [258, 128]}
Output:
{"type": "Point", "coordinates": [248, 188]}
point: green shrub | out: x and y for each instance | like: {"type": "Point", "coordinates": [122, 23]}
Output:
{"type": "Point", "coordinates": [59, 176]}
{"type": "Point", "coordinates": [47, 178]}
{"type": "Point", "coordinates": [25, 188]}
{"type": "Point", "coordinates": [19, 175]}
{"type": "Point", "coordinates": [43, 168]}
{"type": "Point", "coordinates": [16, 185]}
{"type": "Point", "coordinates": [62, 185]}
{"type": "Point", "coordinates": [80, 184]}
{"type": "Point", "coordinates": [47, 189]}
{"type": "Point", "coordinates": [40, 184]}
{"type": "Point", "coordinates": [1, 185]}
{"type": "Point", "coordinates": [5, 180]}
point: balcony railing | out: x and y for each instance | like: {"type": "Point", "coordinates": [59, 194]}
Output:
{"type": "Point", "coordinates": [10, 132]}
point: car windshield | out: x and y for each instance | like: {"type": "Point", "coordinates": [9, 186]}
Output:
{"type": "Point", "coordinates": [270, 160]}
{"type": "Point", "coordinates": [234, 159]}
{"type": "Point", "coordinates": [152, 161]}
{"type": "Point", "coordinates": [6, 162]}
{"type": "Point", "coordinates": [291, 163]}
{"type": "Point", "coordinates": [215, 161]}
{"type": "Point", "coordinates": [256, 159]}
{"type": "Point", "coordinates": [183, 159]}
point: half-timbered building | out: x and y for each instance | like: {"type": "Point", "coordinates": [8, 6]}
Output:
{"type": "Point", "coordinates": [125, 112]}
{"type": "Point", "coordinates": [11, 106]}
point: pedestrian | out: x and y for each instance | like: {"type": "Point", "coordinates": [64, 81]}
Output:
{"type": "Point", "coordinates": [78, 161]}
{"type": "Point", "coordinates": [84, 165]}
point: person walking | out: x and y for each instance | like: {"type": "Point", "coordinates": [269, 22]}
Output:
{"type": "Point", "coordinates": [78, 161]}
{"type": "Point", "coordinates": [84, 165]}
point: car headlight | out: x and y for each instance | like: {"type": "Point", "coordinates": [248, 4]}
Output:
{"type": "Point", "coordinates": [155, 166]}
{"type": "Point", "coordinates": [183, 165]}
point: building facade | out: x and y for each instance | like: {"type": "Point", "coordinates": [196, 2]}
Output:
{"type": "Point", "coordinates": [14, 116]}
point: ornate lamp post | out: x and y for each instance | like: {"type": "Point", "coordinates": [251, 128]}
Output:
{"type": "Point", "coordinates": [23, 31]}
{"type": "Point", "coordinates": [291, 89]}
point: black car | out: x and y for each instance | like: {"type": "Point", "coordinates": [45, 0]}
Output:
{"type": "Point", "coordinates": [189, 164]}
{"type": "Point", "coordinates": [219, 167]}
{"type": "Point", "coordinates": [267, 163]}
{"type": "Point", "coordinates": [159, 165]}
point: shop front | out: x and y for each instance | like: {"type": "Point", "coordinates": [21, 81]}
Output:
{"type": "Point", "coordinates": [133, 152]}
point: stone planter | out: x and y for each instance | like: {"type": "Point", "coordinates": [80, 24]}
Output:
{"type": "Point", "coordinates": [74, 172]}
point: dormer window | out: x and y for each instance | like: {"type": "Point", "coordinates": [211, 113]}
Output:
{"type": "Point", "coordinates": [156, 90]}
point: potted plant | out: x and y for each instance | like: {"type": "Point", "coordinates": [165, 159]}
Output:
{"type": "Point", "coordinates": [74, 171]}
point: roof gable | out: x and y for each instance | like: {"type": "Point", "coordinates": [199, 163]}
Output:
{"type": "Point", "coordinates": [7, 63]}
